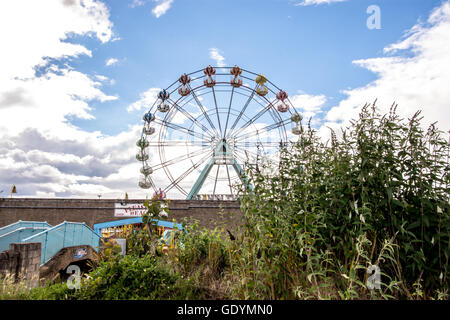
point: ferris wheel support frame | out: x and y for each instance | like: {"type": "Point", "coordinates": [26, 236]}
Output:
{"type": "Point", "coordinates": [220, 152]}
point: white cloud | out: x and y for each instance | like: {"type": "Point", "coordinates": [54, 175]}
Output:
{"type": "Point", "coordinates": [137, 3]}
{"type": "Point", "coordinates": [104, 79]}
{"type": "Point", "coordinates": [317, 2]}
{"type": "Point", "coordinates": [146, 100]}
{"type": "Point", "coordinates": [418, 80]}
{"type": "Point", "coordinates": [101, 78]}
{"type": "Point", "coordinates": [43, 26]}
{"type": "Point", "coordinates": [40, 151]}
{"type": "Point", "coordinates": [214, 54]}
{"type": "Point", "coordinates": [48, 99]}
{"type": "Point", "coordinates": [162, 7]}
{"type": "Point", "coordinates": [40, 164]}
{"type": "Point", "coordinates": [30, 99]}
{"type": "Point", "coordinates": [111, 61]}
{"type": "Point", "coordinates": [41, 194]}
{"type": "Point", "coordinates": [308, 105]}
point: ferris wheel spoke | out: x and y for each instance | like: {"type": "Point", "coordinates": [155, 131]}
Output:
{"type": "Point", "coordinates": [190, 117]}
{"type": "Point", "coordinates": [243, 144]}
{"type": "Point", "coordinates": [242, 154]}
{"type": "Point", "coordinates": [242, 110]}
{"type": "Point", "coordinates": [228, 114]}
{"type": "Point", "coordinates": [217, 110]}
{"type": "Point", "coordinates": [254, 155]}
{"type": "Point", "coordinates": [274, 115]}
{"type": "Point", "coordinates": [186, 173]}
{"type": "Point", "coordinates": [256, 117]}
{"type": "Point", "coordinates": [263, 130]}
{"type": "Point", "coordinates": [246, 156]}
{"type": "Point", "coordinates": [242, 150]}
{"type": "Point", "coordinates": [177, 143]}
{"type": "Point", "coordinates": [179, 128]}
{"type": "Point", "coordinates": [181, 158]}
{"type": "Point", "coordinates": [277, 118]}
{"type": "Point", "coordinates": [239, 157]}
{"type": "Point", "coordinates": [246, 160]}
{"type": "Point", "coordinates": [203, 110]}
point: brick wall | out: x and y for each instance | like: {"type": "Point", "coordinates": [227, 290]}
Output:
{"type": "Point", "coordinates": [21, 262]}
{"type": "Point", "coordinates": [209, 213]}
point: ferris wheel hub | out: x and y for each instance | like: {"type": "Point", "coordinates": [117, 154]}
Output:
{"type": "Point", "coordinates": [222, 154]}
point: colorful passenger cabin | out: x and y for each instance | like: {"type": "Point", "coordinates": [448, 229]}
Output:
{"type": "Point", "coordinates": [119, 228]}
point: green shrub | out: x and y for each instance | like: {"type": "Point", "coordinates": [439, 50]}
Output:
{"type": "Point", "coordinates": [202, 247]}
{"type": "Point", "coordinates": [138, 243]}
{"type": "Point", "coordinates": [129, 277]}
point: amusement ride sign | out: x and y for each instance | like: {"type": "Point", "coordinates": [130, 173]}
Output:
{"type": "Point", "coordinates": [129, 209]}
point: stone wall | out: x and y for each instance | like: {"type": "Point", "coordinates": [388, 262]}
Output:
{"type": "Point", "coordinates": [22, 263]}
{"type": "Point", "coordinates": [9, 260]}
{"type": "Point", "coordinates": [209, 213]}
{"type": "Point", "coordinates": [65, 257]}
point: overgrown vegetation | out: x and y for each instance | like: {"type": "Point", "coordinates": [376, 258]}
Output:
{"type": "Point", "coordinates": [377, 196]}
{"type": "Point", "coordinates": [374, 198]}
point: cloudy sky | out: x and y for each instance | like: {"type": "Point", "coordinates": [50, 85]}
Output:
{"type": "Point", "coordinates": [76, 76]}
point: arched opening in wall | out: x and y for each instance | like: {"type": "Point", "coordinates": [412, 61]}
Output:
{"type": "Point", "coordinates": [85, 266]}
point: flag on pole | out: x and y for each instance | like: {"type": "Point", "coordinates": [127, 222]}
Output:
{"type": "Point", "coordinates": [13, 189]}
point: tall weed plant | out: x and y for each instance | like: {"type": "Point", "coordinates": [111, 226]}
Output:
{"type": "Point", "coordinates": [377, 195]}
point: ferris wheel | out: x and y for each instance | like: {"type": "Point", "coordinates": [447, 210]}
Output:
{"type": "Point", "coordinates": [203, 128]}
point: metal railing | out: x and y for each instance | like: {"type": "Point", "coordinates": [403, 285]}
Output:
{"type": "Point", "coordinates": [17, 235]}
{"type": "Point", "coordinates": [23, 224]}
{"type": "Point", "coordinates": [66, 234]}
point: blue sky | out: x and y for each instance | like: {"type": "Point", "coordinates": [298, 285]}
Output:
{"type": "Point", "coordinates": [308, 48]}
{"type": "Point", "coordinates": [77, 75]}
